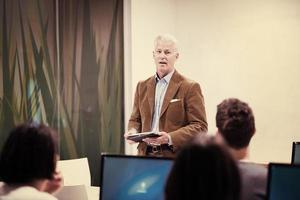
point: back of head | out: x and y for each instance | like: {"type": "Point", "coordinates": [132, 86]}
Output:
{"type": "Point", "coordinates": [235, 122]}
{"type": "Point", "coordinates": [29, 154]}
{"type": "Point", "coordinates": [203, 170]}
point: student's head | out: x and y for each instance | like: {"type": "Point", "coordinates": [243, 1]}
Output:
{"type": "Point", "coordinates": [29, 154]}
{"type": "Point", "coordinates": [165, 54]}
{"type": "Point", "coordinates": [235, 122]}
{"type": "Point", "coordinates": [204, 170]}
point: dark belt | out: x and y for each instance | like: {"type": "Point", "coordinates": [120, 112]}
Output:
{"type": "Point", "coordinates": [158, 148]}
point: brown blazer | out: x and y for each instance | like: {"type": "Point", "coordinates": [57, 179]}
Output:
{"type": "Point", "coordinates": [182, 113]}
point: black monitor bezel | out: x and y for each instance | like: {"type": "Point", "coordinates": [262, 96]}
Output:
{"type": "Point", "coordinates": [294, 151]}
{"type": "Point", "coordinates": [286, 165]}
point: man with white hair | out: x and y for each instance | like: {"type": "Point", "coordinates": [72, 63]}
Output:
{"type": "Point", "coordinates": [167, 103]}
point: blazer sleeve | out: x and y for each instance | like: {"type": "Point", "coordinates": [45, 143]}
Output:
{"type": "Point", "coordinates": [196, 117]}
{"type": "Point", "coordinates": [135, 118]}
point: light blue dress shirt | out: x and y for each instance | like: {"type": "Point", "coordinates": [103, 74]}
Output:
{"type": "Point", "coordinates": [160, 91]}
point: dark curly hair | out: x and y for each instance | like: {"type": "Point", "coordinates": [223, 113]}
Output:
{"type": "Point", "coordinates": [235, 121]}
{"type": "Point", "coordinates": [29, 153]}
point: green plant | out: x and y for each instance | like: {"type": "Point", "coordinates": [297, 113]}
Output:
{"type": "Point", "coordinates": [79, 94]}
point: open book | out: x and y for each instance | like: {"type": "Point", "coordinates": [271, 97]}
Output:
{"type": "Point", "coordinates": [138, 137]}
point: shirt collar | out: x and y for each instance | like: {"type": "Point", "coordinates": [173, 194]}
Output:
{"type": "Point", "coordinates": [166, 78]}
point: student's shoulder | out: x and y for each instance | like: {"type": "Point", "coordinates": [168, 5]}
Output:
{"type": "Point", "coordinates": [253, 169]}
{"type": "Point", "coordinates": [27, 193]}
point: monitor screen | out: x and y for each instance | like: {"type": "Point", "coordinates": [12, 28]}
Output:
{"type": "Point", "coordinates": [133, 177]}
{"type": "Point", "coordinates": [283, 182]}
{"type": "Point", "coordinates": [296, 153]}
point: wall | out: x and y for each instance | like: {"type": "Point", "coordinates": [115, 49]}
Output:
{"type": "Point", "coordinates": [244, 49]}
{"type": "Point", "coordinates": [147, 19]}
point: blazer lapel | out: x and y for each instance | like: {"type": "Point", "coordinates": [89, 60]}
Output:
{"type": "Point", "coordinates": [151, 94]}
{"type": "Point", "coordinates": [174, 84]}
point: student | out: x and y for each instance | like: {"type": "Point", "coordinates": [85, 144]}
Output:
{"type": "Point", "coordinates": [28, 164]}
{"type": "Point", "coordinates": [235, 123]}
{"type": "Point", "coordinates": [203, 170]}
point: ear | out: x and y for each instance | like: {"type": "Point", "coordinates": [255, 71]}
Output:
{"type": "Point", "coordinates": [177, 55]}
{"type": "Point", "coordinates": [153, 54]}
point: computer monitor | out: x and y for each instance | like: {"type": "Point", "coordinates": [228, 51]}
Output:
{"type": "Point", "coordinates": [283, 182]}
{"type": "Point", "coordinates": [296, 153]}
{"type": "Point", "coordinates": [126, 177]}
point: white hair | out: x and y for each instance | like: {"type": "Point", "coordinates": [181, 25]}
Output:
{"type": "Point", "coordinates": [166, 38]}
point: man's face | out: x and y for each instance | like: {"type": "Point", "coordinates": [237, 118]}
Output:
{"type": "Point", "coordinates": [165, 56]}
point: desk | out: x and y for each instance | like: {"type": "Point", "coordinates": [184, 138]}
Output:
{"type": "Point", "coordinates": [78, 192]}
{"type": "Point", "coordinates": [93, 192]}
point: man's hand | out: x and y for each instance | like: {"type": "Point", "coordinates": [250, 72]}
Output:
{"type": "Point", "coordinates": [162, 139]}
{"type": "Point", "coordinates": [55, 183]}
{"type": "Point", "coordinates": [131, 131]}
